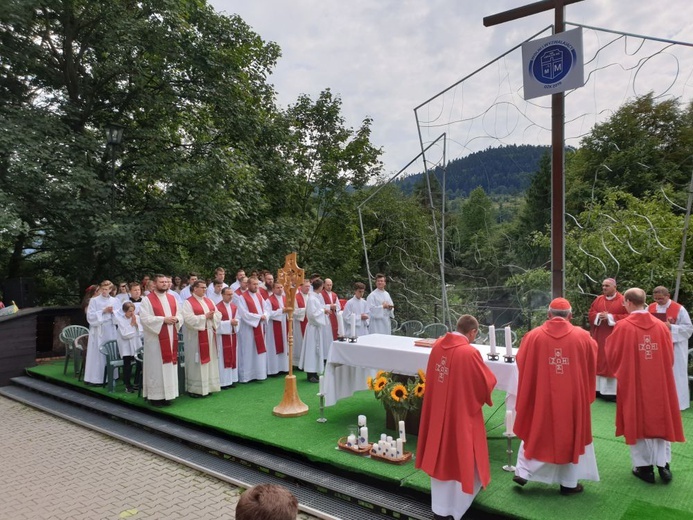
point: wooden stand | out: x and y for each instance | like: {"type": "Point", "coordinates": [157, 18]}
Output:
{"type": "Point", "coordinates": [291, 276]}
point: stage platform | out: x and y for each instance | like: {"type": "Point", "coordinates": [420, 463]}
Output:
{"type": "Point", "coordinates": [243, 416]}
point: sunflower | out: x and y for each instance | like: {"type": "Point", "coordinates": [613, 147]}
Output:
{"type": "Point", "coordinates": [399, 392]}
{"type": "Point", "coordinates": [380, 373]}
{"type": "Point", "coordinates": [422, 375]}
{"type": "Point", "coordinates": [369, 382]}
{"type": "Point", "coordinates": [379, 384]}
{"type": "Point", "coordinates": [419, 390]}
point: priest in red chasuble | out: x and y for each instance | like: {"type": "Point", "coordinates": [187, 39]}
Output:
{"type": "Point", "coordinates": [452, 446]}
{"type": "Point", "coordinates": [605, 311]}
{"type": "Point", "coordinates": [641, 353]}
{"type": "Point", "coordinates": [557, 366]}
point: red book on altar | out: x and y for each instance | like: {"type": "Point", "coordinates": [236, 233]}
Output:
{"type": "Point", "coordinates": [426, 342]}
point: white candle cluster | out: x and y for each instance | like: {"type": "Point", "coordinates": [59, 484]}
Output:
{"type": "Point", "coordinates": [389, 447]}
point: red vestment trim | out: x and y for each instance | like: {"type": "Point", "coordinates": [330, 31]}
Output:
{"type": "Point", "coordinates": [228, 341]}
{"type": "Point", "coordinates": [277, 326]}
{"type": "Point", "coordinates": [672, 311]}
{"type": "Point", "coordinates": [202, 337]}
{"type": "Point", "coordinates": [257, 331]}
{"type": "Point", "coordinates": [169, 353]}
{"type": "Point", "coordinates": [301, 305]}
{"type": "Point", "coordinates": [331, 299]}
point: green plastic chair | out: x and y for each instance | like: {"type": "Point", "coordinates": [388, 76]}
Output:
{"type": "Point", "coordinates": [113, 361]}
{"type": "Point", "coordinates": [139, 359]}
{"type": "Point", "coordinates": [67, 337]}
{"type": "Point", "coordinates": [433, 330]}
{"type": "Point", "coordinates": [81, 343]}
{"type": "Point", "coordinates": [410, 328]}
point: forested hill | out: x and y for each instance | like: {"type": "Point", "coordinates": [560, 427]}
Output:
{"type": "Point", "coordinates": [504, 170]}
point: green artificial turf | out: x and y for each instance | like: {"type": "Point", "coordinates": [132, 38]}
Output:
{"type": "Point", "coordinates": [246, 412]}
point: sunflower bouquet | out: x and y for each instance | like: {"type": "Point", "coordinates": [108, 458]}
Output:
{"type": "Point", "coordinates": [398, 393]}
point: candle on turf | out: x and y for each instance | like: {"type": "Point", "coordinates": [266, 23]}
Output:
{"type": "Point", "coordinates": [492, 338]}
{"type": "Point", "coordinates": [508, 342]}
{"type": "Point", "coordinates": [321, 385]}
{"type": "Point", "coordinates": [363, 437]}
{"type": "Point", "coordinates": [400, 448]}
{"type": "Point", "coordinates": [362, 420]}
{"type": "Point", "coordinates": [351, 440]}
{"type": "Point", "coordinates": [402, 433]}
{"type": "Point", "coordinates": [509, 421]}
{"type": "Point", "coordinates": [389, 439]}
{"type": "Point", "coordinates": [383, 437]}
{"type": "Point", "coordinates": [353, 325]}
{"type": "Point", "coordinates": [392, 453]}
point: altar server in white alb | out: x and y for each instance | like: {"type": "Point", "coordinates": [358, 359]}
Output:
{"type": "Point", "coordinates": [252, 351]}
{"type": "Point", "coordinates": [312, 353]}
{"type": "Point", "coordinates": [101, 329]}
{"type": "Point", "coordinates": [356, 313]}
{"type": "Point", "coordinates": [381, 308]}
{"type": "Point", "coordinates": [161, 318]}
{"type": "Point", "coordinates": [201, 319]}
{"type": "Point", "coordinates": [300, 320]}
{"type": "Point", "coordinates": [333, 306]}
{"type": "Point", "coordinates": [676, 318]}
{"type": "Point", "coordinates": [227, 340]}
{"type": "Point", "coordinates": [129, 340]}
{"type": "Point", "coordinates": [277, 344]}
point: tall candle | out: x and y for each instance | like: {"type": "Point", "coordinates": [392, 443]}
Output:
{"type": "Point", "coordinates": [400, 448]}
{"type": "Point", "coordinates": [509, 421]}
{"type": "Point", "coordinates": [402, 433]}
{"type": "Point", "coordinates": [508, 342]}
{"type": "Point", "coordinates": [353, 325]}
{"type": "Point", "coordinates": [321, 385]}
{"type": "Point", "coordinates": [363, 437]}
{"type": "Point", "coordinates": [340, 324]}
{"type": "Point", "coordinates": [362, 420]}
{"type": "Point", "coordinates": [492, 338]}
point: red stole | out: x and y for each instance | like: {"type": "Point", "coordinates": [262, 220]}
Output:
{"type": "Point", "coordinates": [277, 326]}
{"type": "Point", "coordinates": [264, 293]}
{"type": "Point", "coordinates": [257, 331]}
{"type": "Point", "coordinates": [672, 311]}
{"type": "Point", "coordinates": [228, 341]}
{"type": "Point", "coordinates": [169, 353]}
{"type": "Point", "coordinates": [330, 299]}
{"type": "Point", "coordinates": [302, 305]}
{"type": "Point", "coordinates": [202, 337]}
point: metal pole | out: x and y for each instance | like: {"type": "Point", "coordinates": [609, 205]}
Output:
{"type": "Point", "coordinates": [558, 179]}
{"type": "Point", "coordinates": [679, 270]}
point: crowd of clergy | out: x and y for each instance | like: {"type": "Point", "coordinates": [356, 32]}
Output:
{"type": "Point", "coordinates": [634, 354]}
{"type": "Point", "coordinates": [224, 334]}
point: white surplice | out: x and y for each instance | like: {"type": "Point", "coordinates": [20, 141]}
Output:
{"type": "Point", "coordinates": [311, 360]}
{"type": "Point", "coordinates": [379, 316]}
{"type": "Point", "coordinates": [299, 314]}
{"type": "Point", "coordinates": [353, 310]}
{"type": "Point", "coordinates": [159, 380]}
{"type": "Point", "coordinates": [680, 332]}
{"type": "Point", "coordinates": [227, 376]}
{"type": "Point", "coordinates": [327, 333]}
{"type": "Point", "coordinates": [101, 329]}
{"type": "Point", "coordinates": [200, 378]}
{"type": "Point", "coordinates": [251, 365]}
{"type": "Point", "coordinates": [276, 363]}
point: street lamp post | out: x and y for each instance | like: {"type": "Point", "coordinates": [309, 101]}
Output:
{"type": "Point", "coordinates": [114, 136]}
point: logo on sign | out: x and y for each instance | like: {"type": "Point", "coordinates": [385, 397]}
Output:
{"type": "Point", "coordinates": [552, 62]}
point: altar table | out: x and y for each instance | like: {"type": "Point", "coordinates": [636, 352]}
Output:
{"type": "Point", "coordinates": [350, 364]}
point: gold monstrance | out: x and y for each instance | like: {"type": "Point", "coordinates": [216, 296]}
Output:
{"type": "Point", "coordinates": [291, 276]}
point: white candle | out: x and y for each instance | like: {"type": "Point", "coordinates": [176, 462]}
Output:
{"type": "Point", "coordinates": [362, 420]}
{"type": "Point", "coordinates": [509, 421]}
{"type": "Point", "coordinates": [508, 342]}
{"type": "Point", "coordinates": [492, 338]}
{"type": "Point", "coordinates": [353, 325]}
{"type": "Point", "coordinates": [402, 433]}
{"type": "Point", "coordinates": [392, 453]}
{"type": "Point", "coordinates": [383, 437]}
{"type": "Point", "coordinates": [340, 325]}
{"type": "Point", "coordinates": [321, 385]}
{"type": "Point", "coordinates": [351, 440]}
{"type": "Point", "coordinates": [389, 439]}
{"type": "Point", "coordinates": [363, 437]}
{"type": "Point", "coordinates": [400, 448]}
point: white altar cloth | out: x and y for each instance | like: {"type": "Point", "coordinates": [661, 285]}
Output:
{"type": "Point", "coordinates": [350, 364]}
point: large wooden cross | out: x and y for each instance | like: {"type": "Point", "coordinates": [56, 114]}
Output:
{"type": "Point", "coordinates": [557, 140]}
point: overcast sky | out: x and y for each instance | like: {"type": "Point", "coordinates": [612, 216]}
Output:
{"type": "Point", "coordinates": [386, 57]}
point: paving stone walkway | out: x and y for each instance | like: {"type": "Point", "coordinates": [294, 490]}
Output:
{"type": "Point", "coordinates": [52, 469]}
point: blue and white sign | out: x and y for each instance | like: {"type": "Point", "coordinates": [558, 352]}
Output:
{"type": "Point", "coordinates": [553, 64]}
